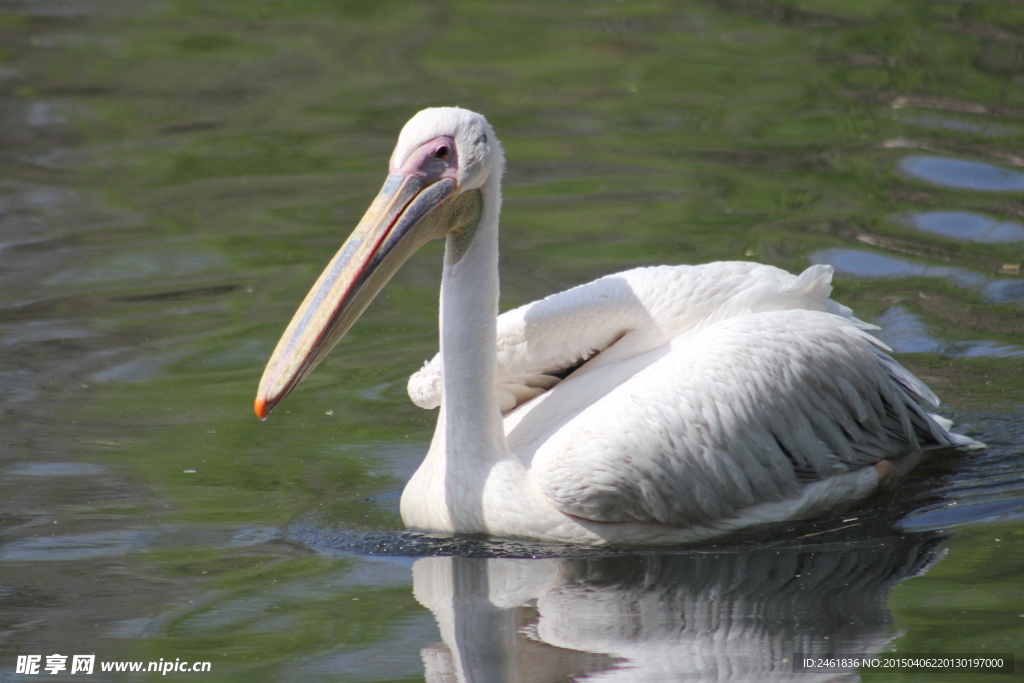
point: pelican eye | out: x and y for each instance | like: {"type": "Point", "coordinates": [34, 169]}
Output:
{"type": "Point", "coordinates": [442, 152]}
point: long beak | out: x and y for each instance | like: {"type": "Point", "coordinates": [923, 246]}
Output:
{"type": "Point", "coordinates": [392, 229]}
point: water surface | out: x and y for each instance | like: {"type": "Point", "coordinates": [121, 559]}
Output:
{"type": "Point", "coordinates": [176, 174]}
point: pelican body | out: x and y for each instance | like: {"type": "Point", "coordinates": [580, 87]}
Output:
{"type": "Point", "coordinates": [656, 406]}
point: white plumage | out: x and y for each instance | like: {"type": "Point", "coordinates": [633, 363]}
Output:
{"type": "Point", "coordinates": [654, 406]}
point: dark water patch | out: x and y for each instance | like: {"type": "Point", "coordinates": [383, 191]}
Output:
{"type": "Point", "coordinates": [983, 490]}
{"type": "Point", "coordinates": [866, 524]}
{"type": "Point", "coordinates": [854, 529]}
{"type": "Point", "coordinates": [328, 537]}
{"type": "Point", "coordinates": [964, 175]}
{"type": "Point", "coordinates": [954, 514]}
{"type": "Point", "coordinates": [787, 14]}
{"type": "Point", "coordinates": [983, 486]}
{"type": "Point", "coordinates": [180, 294]}
{"type": "Point", "coordinates": [969, 227]}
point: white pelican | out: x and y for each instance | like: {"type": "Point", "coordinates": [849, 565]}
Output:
{"type": "Point", "coordinates": [699, 399]}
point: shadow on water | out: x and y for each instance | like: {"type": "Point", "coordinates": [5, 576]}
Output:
{"type": "Point", "coordinates": [749, 608]}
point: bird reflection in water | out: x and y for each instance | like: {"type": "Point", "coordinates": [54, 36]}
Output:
{"type": "Point", "coordinates": [729, 616]}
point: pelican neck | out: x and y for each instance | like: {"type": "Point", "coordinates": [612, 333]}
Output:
{"type": "Point", "coordinates": [468, 323]}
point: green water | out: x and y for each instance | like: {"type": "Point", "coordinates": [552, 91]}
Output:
{"type": "Point", "coordinates": [174, 175]}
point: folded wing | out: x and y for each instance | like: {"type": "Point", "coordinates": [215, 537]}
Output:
{"type": "Point", "coordinates": [745, 411]}
{"type": "Point", "coordinates": [635, 311]}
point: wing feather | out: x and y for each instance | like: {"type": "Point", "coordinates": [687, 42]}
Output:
{"type": "Point", "coordinates": [746, 410]}
{"type": "Point", "coordinates": [634, 311]}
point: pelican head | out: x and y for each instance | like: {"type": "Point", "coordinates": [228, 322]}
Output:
{"type": "Point", "coordinates": [443, 158]}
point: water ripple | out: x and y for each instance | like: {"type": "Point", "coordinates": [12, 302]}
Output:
{"type": "Point", "coordinates": [866, 264]}
{"type": "Point", "coordinates": [970, 227]}
{"type": "Point", "coordinates": [904, 332]}
{"type": "Point", "coordinates": [965, 175]}
{"type": "Point", "coordinates": [942, 122]}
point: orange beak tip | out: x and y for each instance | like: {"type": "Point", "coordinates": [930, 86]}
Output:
{"type": "Point", "coordinates": [261, 408]}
